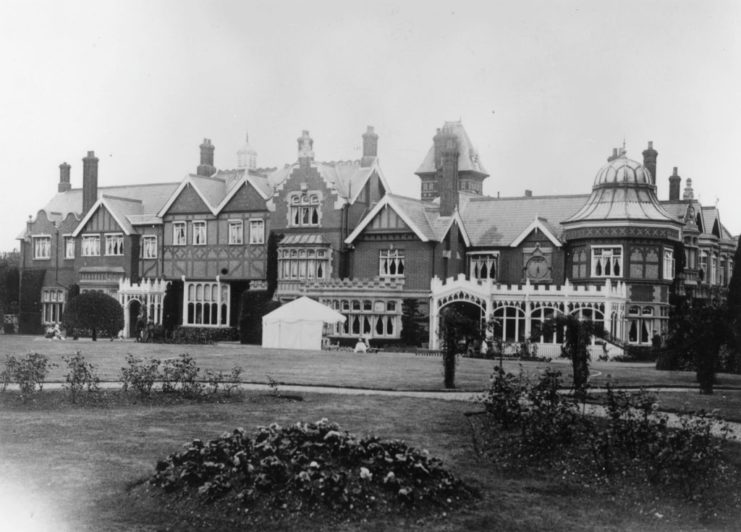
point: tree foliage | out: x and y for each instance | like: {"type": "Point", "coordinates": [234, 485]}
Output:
{"type": "Point", "coordinates": [412, 323]}
{"type": "Point", "coordinates": [94, 311]}
{"type": "Point", "coordinates": [577, 337]}
{"type": "Point", "coordinates": [454, 327]}
{"type": "Point", "coordinates": [254, 305]}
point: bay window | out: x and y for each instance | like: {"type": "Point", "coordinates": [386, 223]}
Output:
{"type": "Point", "coordinates": [607, 261]}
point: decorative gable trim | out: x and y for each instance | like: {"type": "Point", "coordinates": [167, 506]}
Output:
{"type": "Point", "coordinates": [374, 168]}
{"type": "Point", "coordinates": [537, 223]}
{"type": "Point", "coordinates": [456, 218]}
{"type": "Point", "coordinates": [386, 200]}
{"type": "Point", "coordinates": [97, 205]}
{"type": "Point", "coordinates": [187, 181]}
{"type": "Point", "coordinates": [236, 188]}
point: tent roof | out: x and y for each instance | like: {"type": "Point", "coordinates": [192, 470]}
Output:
{"type": "Point", "coordinates": [304, 309]}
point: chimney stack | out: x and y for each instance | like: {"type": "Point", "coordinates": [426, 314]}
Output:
{"type": "Point", "coordinates": [447, 143]}
{"type": "Point", "coordinates": [649, 160]}
{"type": "Point", "coordinates": [370, 147]}
{"type": "Point", "coordinates": [688, 192]}
{"type": "Point", "coordinates": [89, 181]}
{"type": "Point", "coordinates": [64, 184]}
{"type": "Point", "coordinates": [206, 168]}
{"type": "Point", "coordinates": [305, 149]}
{"type": "Point", "coordinates": [528, 193]}
{"type": "Point", "coordinates": [674, 185]}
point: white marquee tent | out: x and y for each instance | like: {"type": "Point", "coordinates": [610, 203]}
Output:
{"type": "Point", "coordinates": [298, 324]}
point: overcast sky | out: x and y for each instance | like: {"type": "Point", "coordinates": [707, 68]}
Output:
{"type": "Point", "coordinates": [545, 89]}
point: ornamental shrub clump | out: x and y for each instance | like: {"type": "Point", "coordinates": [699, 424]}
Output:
{"type": "Point", "coordinates": [80, 375]}
{"type": "Point", "coordinates": [29, 373]}
{"type": "Point", "coordinates": [309, 467]}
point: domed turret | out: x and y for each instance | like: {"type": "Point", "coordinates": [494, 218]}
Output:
{"type": "Point", "coordinates": [623, 190]}
{"type": "Point", "coordinates": [622, 171]}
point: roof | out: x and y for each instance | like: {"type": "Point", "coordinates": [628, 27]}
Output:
{"type": "Point", "coordinates": [216, 190]}
{"type": "Point", "coordinates": [623, 191]}
{"type": "Point", "coordinates": [623, 171]}
{"type": "Point", "coordinates": [501, 221]}
{"type": "Point", "coordinates": [305, 239]}
{"type": "Point", "coordinates": [304, 309]}
{"type": "Point", "coordinates": [468, 158]}
{"type": "Point", "coordinates": [347, 178]}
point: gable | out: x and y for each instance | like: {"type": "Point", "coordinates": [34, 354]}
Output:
{"type": "Point", "coordinates": [101, 221]}
{"type": "Point", "coordinates": [388, 219]}
{"type": "Point", "coordinates": [716, 228]}
{"type": "Point", "coordinates": [245, 199]}
{"type": "Point", "coordinates": [188, 201]}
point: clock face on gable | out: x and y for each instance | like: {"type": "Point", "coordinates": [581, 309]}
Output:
{"type": "Point", "coordinates": [537, 268]}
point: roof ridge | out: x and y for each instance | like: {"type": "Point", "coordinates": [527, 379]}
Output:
{"type": "Point", "coordinates": [109, 196]}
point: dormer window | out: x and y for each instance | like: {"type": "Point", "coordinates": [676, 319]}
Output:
{"type": "Point", "coordinates": [484, 266]}
{"type": "Point", "coordinates": [304, 209]}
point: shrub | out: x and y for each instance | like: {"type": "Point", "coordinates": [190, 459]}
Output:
{"type": "Point", "coordinates": [80, 375]}
{"type": "Point", "coordinates": [98, 312]}
{"type": "Point", "coordinates": [227, 382]}
{"type": "Point", "coordinates": [254, 305]}
{"type": "Point", "coordinates": [203, 335]}
{"type": "Point", "coordinates": [309, 467]}
{"type": "Point", "coordinates": [28, 372]}
{"type": "Point", "coordinates": [140, 374]}
{"type": "Point", "coordinates": [180, 375]}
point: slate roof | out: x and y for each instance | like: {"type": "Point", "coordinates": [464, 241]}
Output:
{"type": "Point", "coordinates": [305, 239]}
{"type": "Point", "coordinates": [499, 221]}
{"type": "Point", "coordinates": [468, 159]}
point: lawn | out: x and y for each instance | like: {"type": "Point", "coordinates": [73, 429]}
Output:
{"type": "Point", "coordinates": [72, 465]}
{"type": "Point", "coordinates": [389, 371]}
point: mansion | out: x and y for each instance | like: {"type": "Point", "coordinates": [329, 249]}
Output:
{"type": "Point", "coordinates": [182, 253]}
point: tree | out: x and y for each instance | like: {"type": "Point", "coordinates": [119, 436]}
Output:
{"type": "Point", "coordinates": [254, 305]}
{"type": "Point", "coordinates": [454, 327]}
{"type": "Point", "coordinates": [577, 337]}
{"type": "Point", "coordinates": [412, 323]}
{"type": "Point", "coordinates": [94, 311]}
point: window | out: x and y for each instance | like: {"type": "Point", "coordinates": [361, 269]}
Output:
{"type": "Point", "coordinates": [640, 325]}
{"type": "Point", "coordinates": [178, 234]}
{"type": "Point", "coordinates": [668, 264]}
{"type": "Point", "coordinates": [52, 305]}
{"type": "Point", "coordinates": [579, 264]}
{"type": "Point", "coordinates": [607, 261]}
{"type": "Point", "coordinates": [236, 233]}
{"type": "Point", "coordinates": [644, 263]}
{"type": "Point", "coordinates": [303, 263]}
{"type": "Point", "coordinates": [149, 247]}
{"type": "Point", "coordinates": [257, 232]}
{"type": "Point", "coordinates": [114, 244]}
{"type": "Point", "coordinates": [207, 304]}
{"type": "Point", "coordinates": [69, 247]}
{"type": "Point", "coordinates": [41, 247]}
{"type": "Point", "coordinates": [199, 233]}
{"type": "Point", "coordinates": [91, 245]}
{"type": "Point", "coordinates": [703, 265]}
{"type": "Point", "coordinates": [483, 266]}
{"type": "Point", "coordinates": [304, 209]}
{"type": "Point", "coordinates": [512, 320]}
{"type": "Point", "coordinates": [714, 269]}
{"type": "Point", "coordinates": [391, 263]}
{"type": "Point", "coordinates": [370, 319]}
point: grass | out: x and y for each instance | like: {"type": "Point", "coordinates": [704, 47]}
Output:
{"type": "Point", "coordinates": [390, 371]}
{"type": "Point", "coordinates": [74, 465]}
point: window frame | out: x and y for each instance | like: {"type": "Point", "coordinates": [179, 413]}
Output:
{"type": "Point", "coordinates": [669, 265]}
{"type": "Point", "coordinates": [179, 239]}
{"type": "Point", "coordinates": [90, 237]}
{"type": "Point", "coordinates": [253, 223]}
{"type": "Point", "coordinates": [398, 254]}
{"type": "Point", "coordinates": [593, 264]}
{"type": "Point", "coordinates": [235, 223]}
{"type": "Point", "coordinates": [37, 239]}
{"type": "Point", "coordinates": [69, 239]}
{"type": "Point", "coordinates": [198, 228]}
{"type": "Point", "coordinates": [143, 247]}
{"type": "Point", "coordinates": [109, 238]}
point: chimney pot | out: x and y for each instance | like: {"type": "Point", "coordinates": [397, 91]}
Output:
{"type": "Point", "coordinates": [370, 146]}
{"type": "Point", "coordinates": [206, 168]}
{"type": "Point", "coordinates": [674, 185]}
